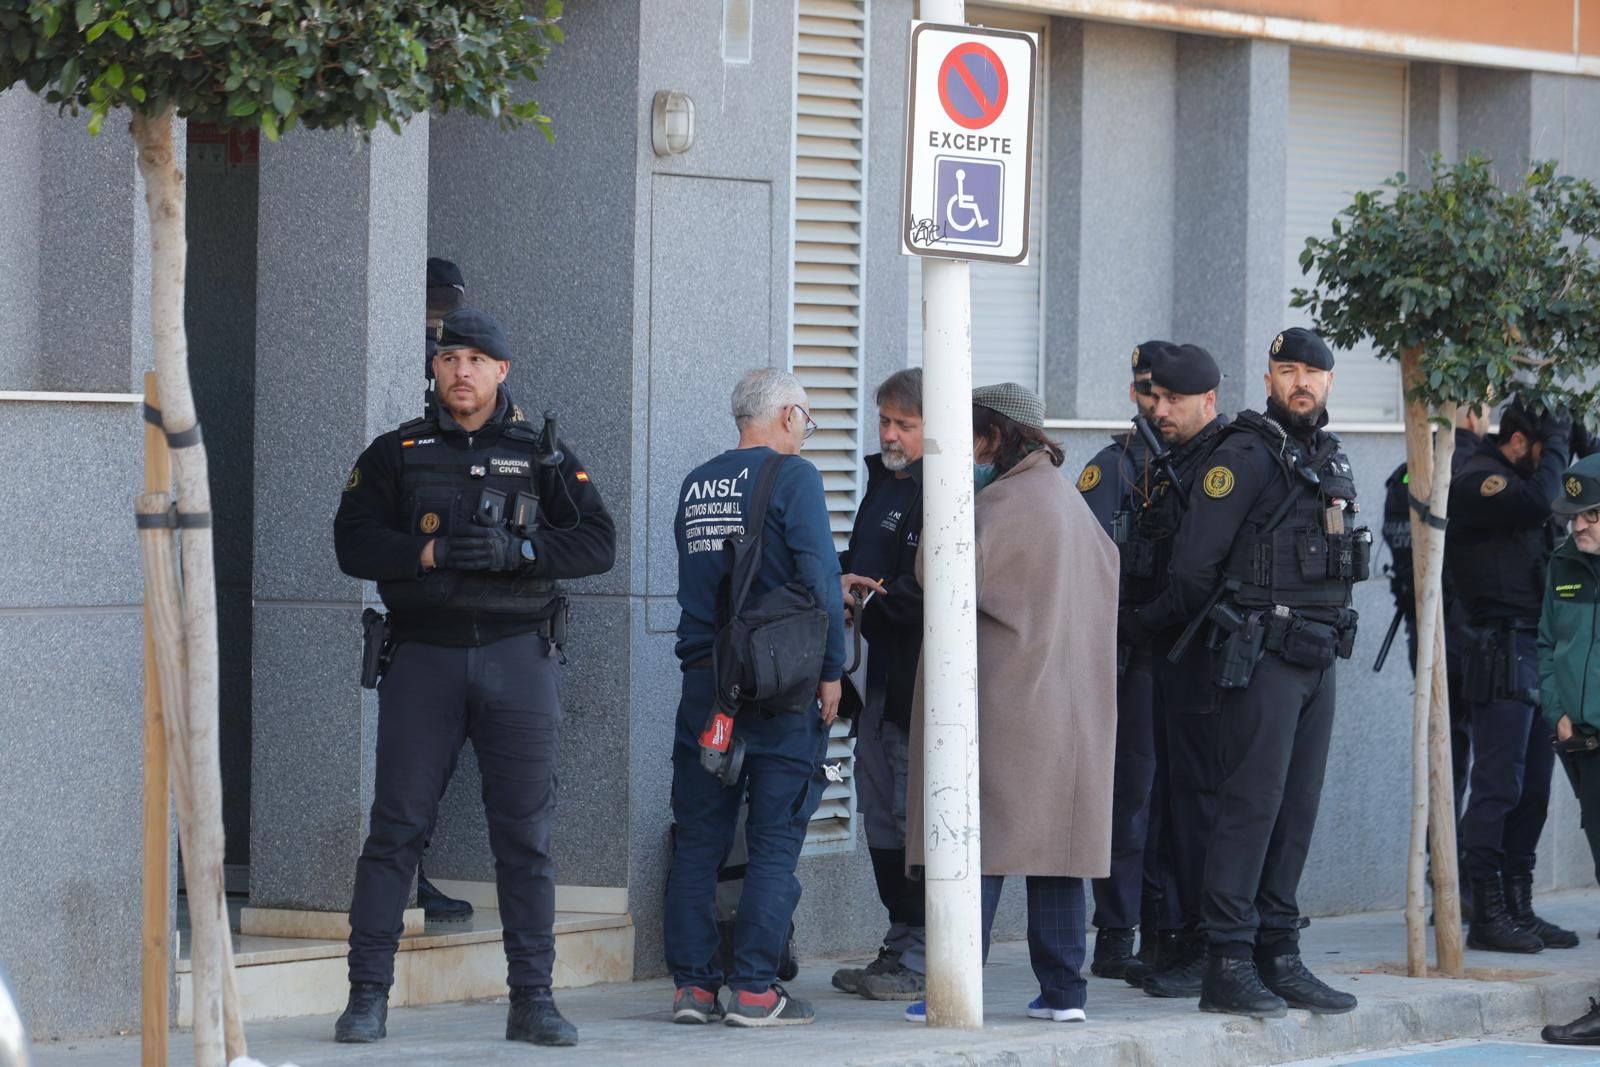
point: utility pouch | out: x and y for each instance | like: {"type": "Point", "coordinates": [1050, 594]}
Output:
{"type": "Point", "coordinates": [1241, 649]}
{"type": "Point", "coordinates": [1138, 558]}
{"type": "Point", "coordinates": [1480, 681]}
{"type": "Point", "coordinates": [1309, 644]}
{"type": "Point", "coordinates": [374, 647]}
{"type": "Point", "coordinates": [1121, 527]}
{"type": "Point", "coordinates": [1346, 629]}
{"type": "Point", "coordinates": [1311, 547]}
{"type": "Point", "coordinates": [1349, 555]}
{"type": "Point", "coordinates": [1361, 555]}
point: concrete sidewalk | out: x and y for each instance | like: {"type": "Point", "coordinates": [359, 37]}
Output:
{"type": "Point", "coordinates": [629, 1024]}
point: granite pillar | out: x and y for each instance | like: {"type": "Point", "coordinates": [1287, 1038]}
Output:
{"type": "Point", "coordinates": [339, 300]}
{"type": "Point", "coordinates": [1232, 154]}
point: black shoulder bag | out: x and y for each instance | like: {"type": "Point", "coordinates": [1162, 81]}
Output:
{"type": "Point", "coordinates": [768, 651]}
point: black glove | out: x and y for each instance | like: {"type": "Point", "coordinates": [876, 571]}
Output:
{"type": "Point", "coordinates": [485, 549]}
{"type": "Point", "coordinates": [458, 553]}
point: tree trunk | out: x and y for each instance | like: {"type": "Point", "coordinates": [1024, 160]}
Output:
{"type": "Point", "coordinates": [203, 847]}
{"type": "Point", "coordinates": [1419, 469]}
{"type": "Point", "coordinates": [1441, 789]}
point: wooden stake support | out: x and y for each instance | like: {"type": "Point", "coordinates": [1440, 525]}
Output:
{"type": "Point", "coordinates": [156, 940]}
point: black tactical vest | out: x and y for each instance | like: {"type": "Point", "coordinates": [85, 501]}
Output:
{"type": "Point", "coordinates": [1298, 563]}
{"type": "Point", "coordinates": [444, 488]}
{"type": "Point", "coordinates": [1498, 572]}
{"type": "Point", "coordinates": [1147, 553]}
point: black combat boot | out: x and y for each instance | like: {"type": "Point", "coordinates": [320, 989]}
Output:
{"type": "Point", "coordinates": [533, 1017]}
{"type": "Point", "coordinates": [1286, 975]}
{"type": "Point", "coordinates": [1183, 968]}
{"type": "Point", "coordinates": [1584, 1030]}
{"type": "Point", "coordinates": [1232, 987]}
{"type": "Point", "coordinates": [1113, 956]}
{"type": "Point", "coordinates": [366, 1016]}
{"type": "Point", "coordinates": [436, 906]}
{"type": "Point", "coordinates": [1519, 905]}
{"type": "Point", "coordinates": [1492, 929]}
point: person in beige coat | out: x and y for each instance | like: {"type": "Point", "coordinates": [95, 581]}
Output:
{"type": "Point", "coordinates": [1047, 707]}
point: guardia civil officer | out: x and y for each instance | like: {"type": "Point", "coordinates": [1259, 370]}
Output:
{"type": "Point", "coordinates": [880, 566]}
{"type": "Point", "coordinates": [1183, 385]}
{"type": "Point", "coordinates": [1266, 558]}
{"type": "Point", "coordinates": [1115, 484]}
{"type": "Point", "coordinates": [1500, 538]}
{"type": "Point", "coordinates": [474, 615]}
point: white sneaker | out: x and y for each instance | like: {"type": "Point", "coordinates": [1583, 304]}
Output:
{"type": "Point", "coordinates": [1039, 1010]}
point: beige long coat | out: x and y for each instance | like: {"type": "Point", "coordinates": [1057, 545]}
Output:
{"type": "Point", "coordinates": [1047, 680]}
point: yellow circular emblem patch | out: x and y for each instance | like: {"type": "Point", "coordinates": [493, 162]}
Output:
{"type": "Point", "coordinates": [1135, 355]}
{"type": "Point", "coordinates": [1089, 478]}
{"type": "Point", "coordinates": [354, 480]}
{"type": "Point", "coordinates": [1218, 482]}
{"type": "Point", "coordinates": [1277, 344]}
{"type": "Point", "coordinates": [1574, 488]}
{"type": "Point", "coordinates": [1492, 485]}
{"type": "Point", "coordinates": [430, 522]}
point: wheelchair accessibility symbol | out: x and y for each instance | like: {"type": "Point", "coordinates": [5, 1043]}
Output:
{"type": "Point", "coordinates": [967, 197]}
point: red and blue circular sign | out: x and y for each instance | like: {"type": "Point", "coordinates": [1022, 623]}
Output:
{"type": "Point", "coordinates": [972, 85]}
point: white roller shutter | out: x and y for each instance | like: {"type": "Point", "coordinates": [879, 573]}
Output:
{"type": "Point", "coordinates": [829, 192]}
{"type": "Point", "coordinates": [1347, 133]}
{"type": "Point", "coordinates": [1005, 299]}
{"type": "Point", "coordinates": [829, 201]}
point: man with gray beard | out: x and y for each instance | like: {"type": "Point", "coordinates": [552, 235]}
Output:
{"type": "Point", "coordinates": [880, 566]}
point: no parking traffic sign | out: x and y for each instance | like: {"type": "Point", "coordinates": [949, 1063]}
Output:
{"type": "Point", "coordinates": [969, 143]}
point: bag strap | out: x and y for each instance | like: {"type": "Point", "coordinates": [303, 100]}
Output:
{"type": "Point", "coordinates": [747, 563]}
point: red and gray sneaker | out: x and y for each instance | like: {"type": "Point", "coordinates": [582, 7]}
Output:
{"type": "Point", "coordinates": [775, 1007]}
{"type": "Point", "coordinates": [692, 1004]}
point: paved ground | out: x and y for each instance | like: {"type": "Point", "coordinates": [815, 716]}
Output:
{"type": "Point", "coordinates": [1403, 1021]}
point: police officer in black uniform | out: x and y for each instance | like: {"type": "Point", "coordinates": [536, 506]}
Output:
{"type": "Point", "coordinates": [1115, 483]}
{"type": "Point", "coordinates": [466, 520]}
{"type": "Point", "coordinates": [1500, 538]}
{"type": "Point", "coordinates": [1266, 559]}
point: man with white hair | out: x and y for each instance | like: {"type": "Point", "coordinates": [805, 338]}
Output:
{"type": "Point", "coordinates": [783, 752]}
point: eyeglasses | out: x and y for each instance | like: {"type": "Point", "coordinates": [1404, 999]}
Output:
{"type": "Point", "coordinates": [1590, 517]}
{"type": "Point", "coordinates": [811, 424]}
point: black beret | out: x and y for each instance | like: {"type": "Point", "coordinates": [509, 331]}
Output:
{"type": "Point", "coordinates": [1187, 370]}
{"type": "Point", "coordinates": [471, 328]}
{"type": "Point", "coordinates": [442, 272]}
{"type": "Point", "coordinates": [1299, 345]}
{"type": "Point", "coordinates": [1144, 355]}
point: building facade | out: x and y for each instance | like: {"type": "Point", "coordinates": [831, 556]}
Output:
{"type": "Point", "coordinates": [1183, 154]}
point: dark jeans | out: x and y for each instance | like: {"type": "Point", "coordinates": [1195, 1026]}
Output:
{"type": "Point", "coordinates": [1055, 935]}
{"type": "Point", "coordinates": [1186, 782]}
{"type": "Point", "coordinates": [504, 697]}
{"type": "Point", "coordinates": [1273, 745]}
{"type": "Point", "coordinates": [1117, 897]}
{"type": "Point", "coordinates": [1511, 764]}
{"type": "Point", "coordinates": [1583, 771]}
{"type": "Point", "coordinates": [781, 776]}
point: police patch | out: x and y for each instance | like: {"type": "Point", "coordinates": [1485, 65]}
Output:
{"type": "Point", "coordinates": [512, 467]}
{"type": "Point", "coordinates": [1492, 485]}
{"type": "Point", "coordinates": [430, 522]}
{"type": "Point", "coordinates": [354, 481]}
{"type": "Point", "coordinates": [1218, 482]}
{"type": "Point", "coordinates": [1574, 488]}
{"type": "Point", "coordinates": [1135, 355]}
{"type": "Point", "coordinates": [1089, 478]}
{"type": "Point", "coordinates": [1277, 344]}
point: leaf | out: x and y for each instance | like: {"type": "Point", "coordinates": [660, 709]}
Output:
{"type": "Point", "coordinates": [137, 92]}
{"type": "Point", "coordinates": [52, 22]}
{"type": "Point", "coordinates": [84, 12]}
{"type": "Point", "coordinates": [282, 99]}
{"type": "Point", "coordinates": [114, 76]}
{"type": "Point", "coordinates": [122, 29]}
{"type": "Point", "coordinates": [95, 122]}
{"type": "Point", "coordinates": [269, 125]}
{"type": "Point", "coordinates": [242, 107]}
{"type": "Point", "coordinates": [95, 32]}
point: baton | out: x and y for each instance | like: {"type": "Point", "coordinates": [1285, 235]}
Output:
{"type": "Point", "coordinates": [1388, 640]}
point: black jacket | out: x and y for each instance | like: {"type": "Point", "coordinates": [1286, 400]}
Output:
{"type": "Point", "coordinates": [377, 537]}
{"type": "Point", "coordinates": [892, 624]}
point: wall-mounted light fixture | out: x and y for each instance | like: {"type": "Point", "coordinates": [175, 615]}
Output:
{"type": "Point", "coordinates": [671, 123]}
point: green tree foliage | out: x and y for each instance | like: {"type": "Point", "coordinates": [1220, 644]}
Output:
{"type": "Point", "coordinates": [1497, 288]}
{"type": "Point", "coordinates": [277, 63]}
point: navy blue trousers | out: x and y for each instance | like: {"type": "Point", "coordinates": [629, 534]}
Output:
{"type": "Point", "coordinates": [1188, 770]}
{"type": "Point", "coordinates": [1117, 897]}
{"type": "Point", "coordinates": [781, 776]}
{"type": "Point", "coordinates": [1511, 763]}
{"type": "Point", "coordinates": [1055, 935]}
{"type": "Point", "coordinates": [503, 696]}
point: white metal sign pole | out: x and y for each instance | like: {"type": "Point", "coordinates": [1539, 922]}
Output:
{"type": "Point", "coordinates": [949, 646]}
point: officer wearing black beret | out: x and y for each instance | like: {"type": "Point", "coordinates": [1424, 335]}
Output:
{"type": "Point", "coordinates": [1120, 484]}
{"type": "Point", "coordinates": [1500, 538]}
{"type": "Point", "coordinates": [1265, 561]}
{"type": "Point", "coordinates": [466, 520]}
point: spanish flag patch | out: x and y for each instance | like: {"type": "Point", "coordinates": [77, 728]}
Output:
{"type": "Point", "coordinates": [582, 476]}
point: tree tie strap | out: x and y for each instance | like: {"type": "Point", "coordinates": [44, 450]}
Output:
{"type": "Point", "coordinates": [1424, 514]}
{"type": "Point", "coordinates": [173, 519]}
{"type": "Point", "coordinates": [182, 439]}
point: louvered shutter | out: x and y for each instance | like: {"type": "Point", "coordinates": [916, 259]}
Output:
{"type": "Point", "coordinates": [829, 188]}
{"type": "Point", "coordinates": [1347, 133]}
{"type": "Point", "coordinates": [829, 193]}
